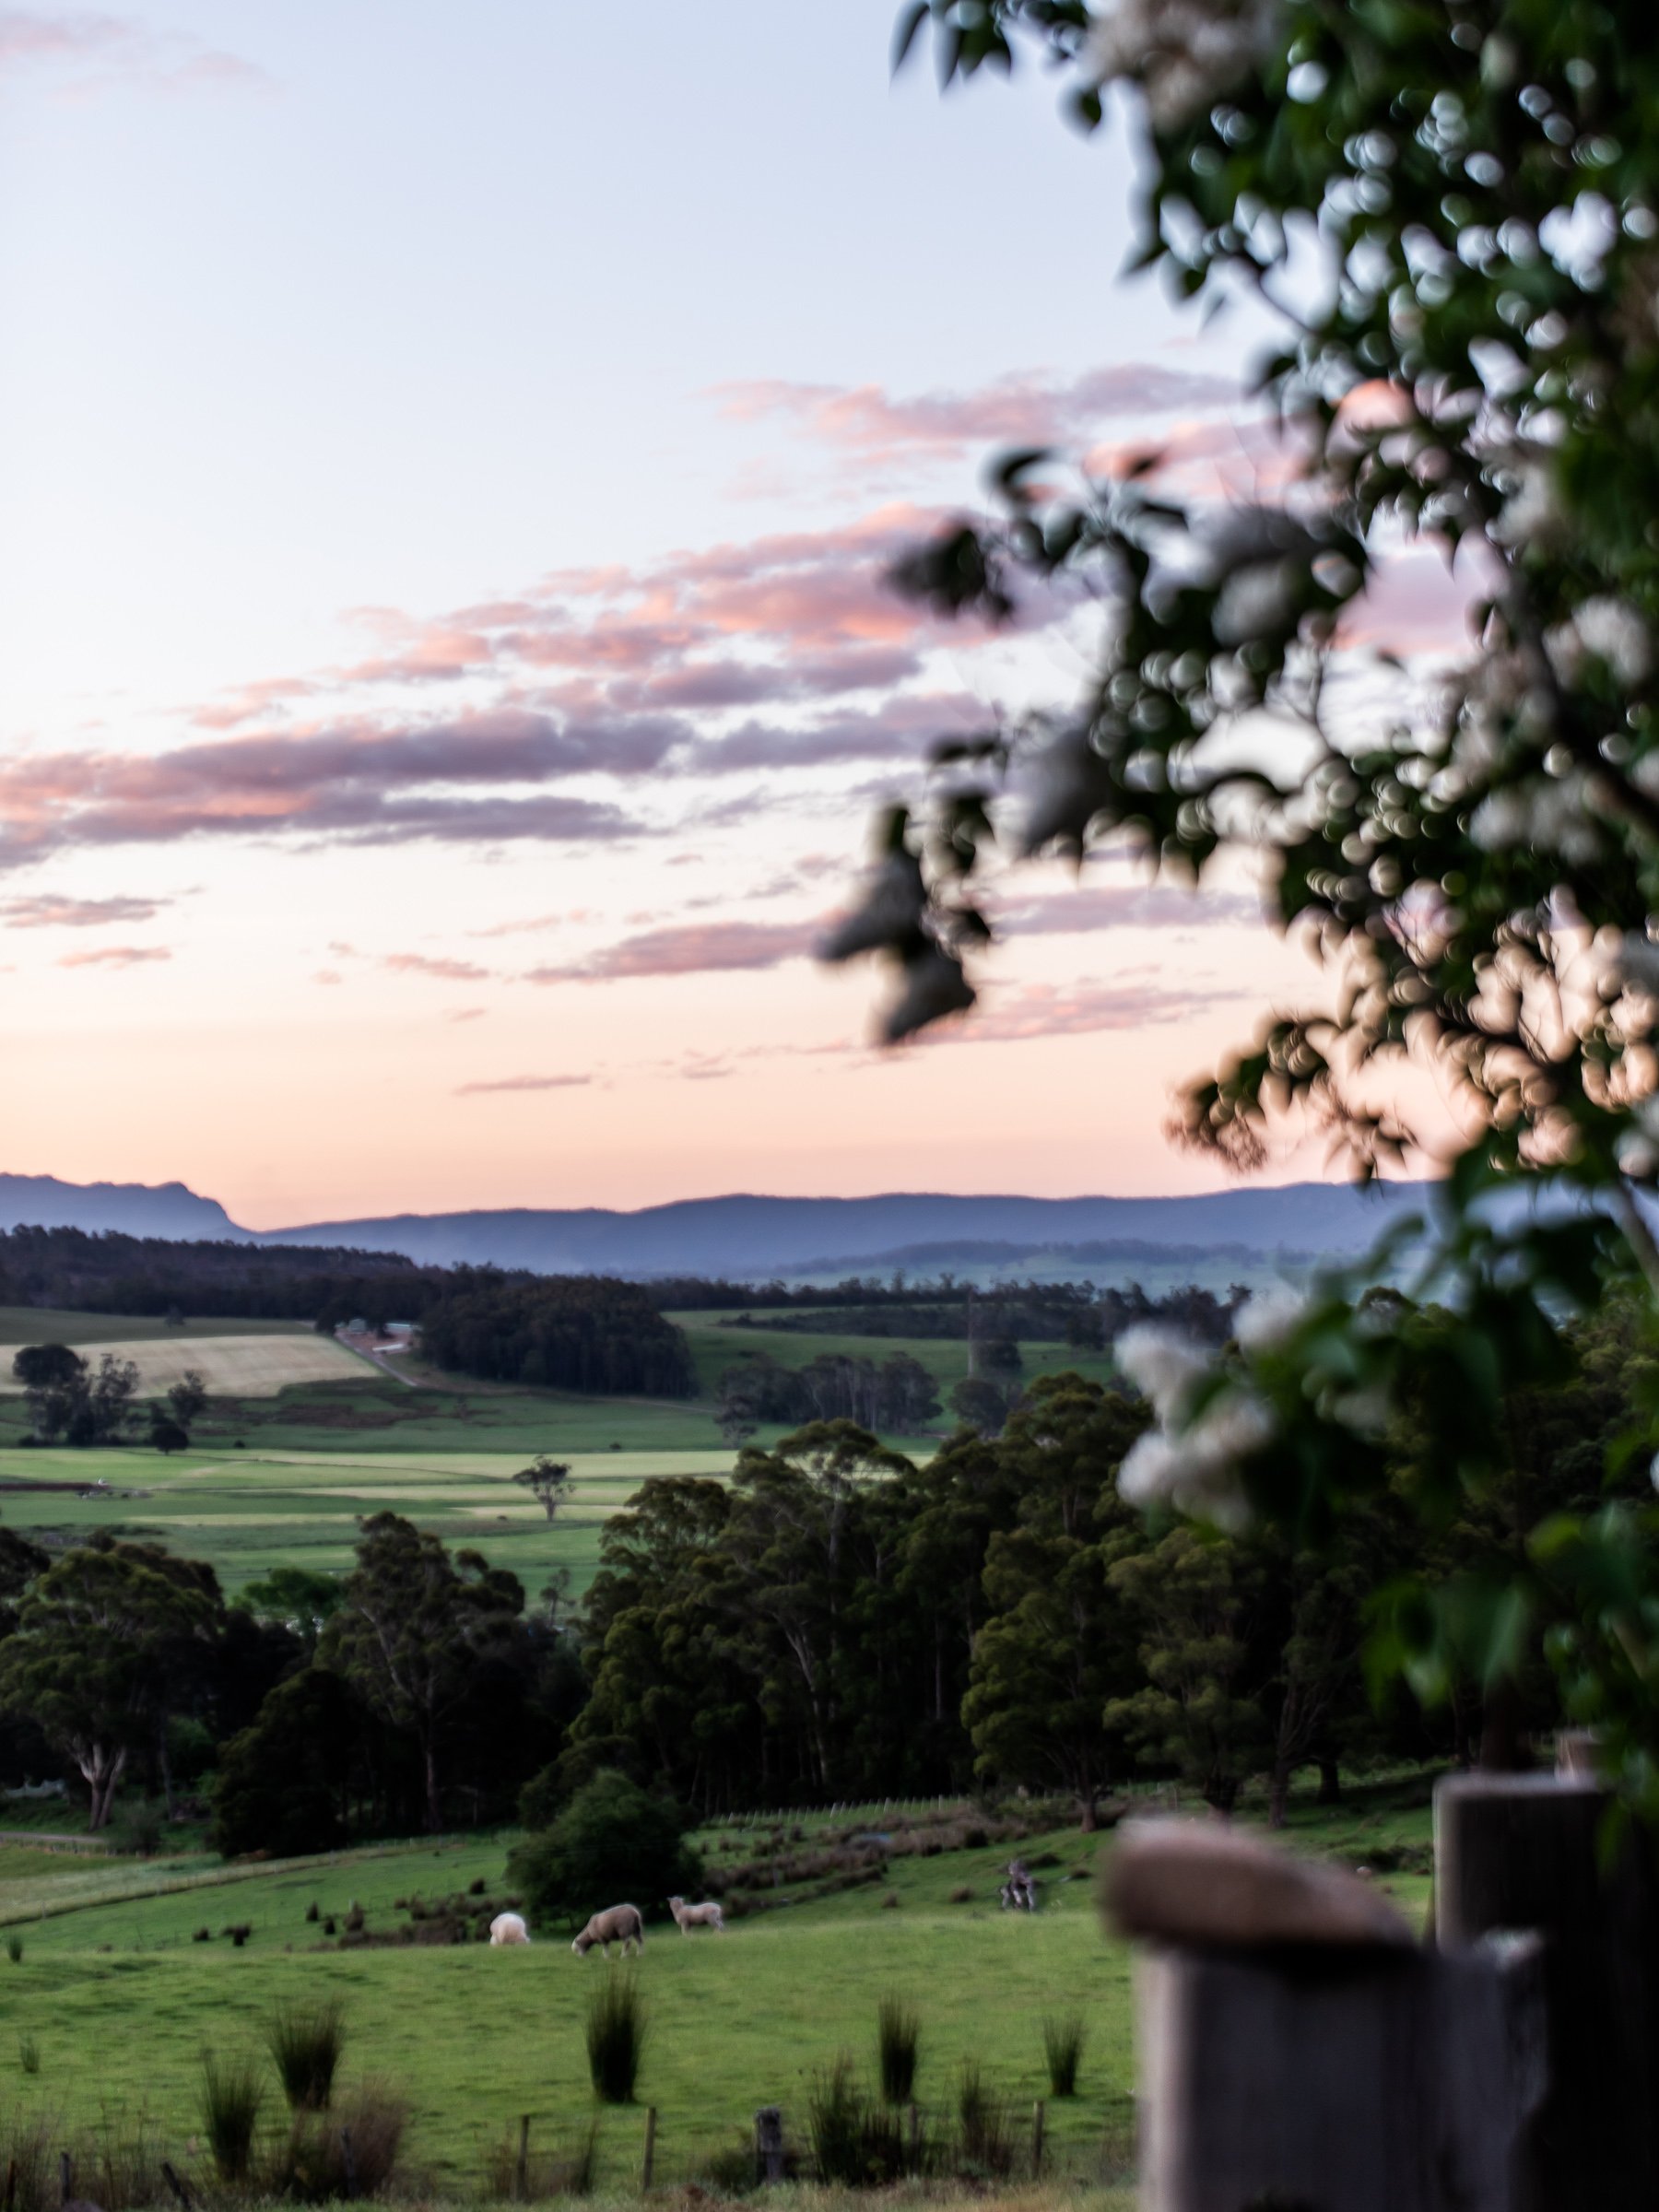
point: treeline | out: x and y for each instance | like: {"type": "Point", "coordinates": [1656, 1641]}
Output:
{"type": "Point", "coordinates": [898, 1395]}
{"type": "Point", "coordinates": [583, 1332]}
{"type": "Point", "coordinates": [112, 1273]}
{"type": "Point", "coordinates": [1075, 1314]}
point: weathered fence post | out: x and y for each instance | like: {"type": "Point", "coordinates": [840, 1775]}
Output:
{"type": "Point", "coordinates": [1300, 2048]}
{"type": "Point", "coordinates": [521, 2178]}
{"type": "Point", "coordinates": [768, 2142]}
{"type": "Point", "coordinates": [348, 2162]}
{"type": "Point", "coordinates": [1537, 1851]}
{"type": "Point", "coordinates": [1037, 2140]}
{"type": "Point", "coordinates": [169, 2175]}
{"type": "Point", "coordinates": [648, 2165]}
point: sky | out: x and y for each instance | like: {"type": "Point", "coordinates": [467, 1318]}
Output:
{"type": "Point", "coordinates": [446, 675]}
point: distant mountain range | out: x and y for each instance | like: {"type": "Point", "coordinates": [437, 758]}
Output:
{"type": "Point", "coordinates": [747, 1238]}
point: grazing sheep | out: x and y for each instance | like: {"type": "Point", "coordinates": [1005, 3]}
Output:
{"type": "Point", "coordinates": [508, 1927]}
{"type": "Point", "coordinates": [696, 1916]}
{"type": "Point", "coordinates": [617, 1924]}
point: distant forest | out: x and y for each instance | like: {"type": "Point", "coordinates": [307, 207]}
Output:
{"type": "Point", "coordinates": [557, 1332]}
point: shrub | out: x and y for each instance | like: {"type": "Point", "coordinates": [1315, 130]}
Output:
{"type": "Point", "coordinates": [961, 1894]}
{"type": "Point", "coordinates": [231, 2096]}
{"type": "Point", "coordinates": [898, 2036]}
{"type": "Point", "coordinates": [13, 1947]}
{"type": "Point", "coordinates": [136, 1831]}
{"type": "Point", "coordinates": [352, 2152]}
{"type": "Point", "coordinates": [613, 1840]}
{"type": "Point", "coordinates": [616, 2029]}
{"type": "Point", "coordinates": [854, 2143]}
{"type": "Point", "coordinates": [1063, 2050]}
{"type": "Point", "coordinates": [280, 1779]}
{"type": "Point", "coordinates": [306, 2040]}
{"type": "Point", "coordinates": [986, 2142]}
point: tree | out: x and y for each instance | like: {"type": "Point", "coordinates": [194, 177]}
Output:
{"type": "Point", "coordinates": [614, 1840]}
{"type": "Point", "coordinates": [282, 1782]}
{"type": "Point", "coordinates": [167, 1436]}
{"type": "Point", "coordinates": [89, 1660]}
{"type": "Point", "coordinates": [188, 1398]}
{"type": "Point", "coordinates": [548, 1481]}
{"type": "Point", "coordinates": [410, 1627]}
{"type": "Point", "coordinates": [1056, 1649]}
{"type": "Point", "coordinates": [1453, 216]}
{"type": "Point", "coordinates": [981, 1404]}
{"type": "Point", "coordinates": [55, 1385]}
{"type": "Point", "coordinates": [299, 1597]}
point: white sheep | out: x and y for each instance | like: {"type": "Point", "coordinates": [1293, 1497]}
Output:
{"type": "Point", "coordinates": [616, 1923]}
{"type": "Point", "coordinates": [508, 1927]}
{"type": "Point", "coordinates": [696, 1916]}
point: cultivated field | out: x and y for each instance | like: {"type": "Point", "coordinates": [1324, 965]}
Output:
{"type": "Point", "coordinates": [54, 1324]}
{"type": "Point", "coordinates": [251, 1367]}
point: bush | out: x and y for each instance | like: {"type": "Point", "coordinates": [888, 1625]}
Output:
{"type": "Point", "coordinates": [137, 1829]}
{"type": "Point", "coordinates": [541, 1799]}
{"type": "Point", "coordinates": [231, 2096]}
{"type": "Point", "coordinates": [13, 1947]}
{"type": "Point", "coordinates": [613, 1841]}
{"type": "Point", "coordinates": [898, 2036]}
{"type": "Point", "coordinates": [306, 2041]}
{"type": "Point", "coordinates": [616, 2029]}
{"type": "Point", "coordinates": [1063, 2050]}
{"type": "Point", "coordinates": [353, 2152]}
{"type": "Point", "coordinates": [854, 2143]}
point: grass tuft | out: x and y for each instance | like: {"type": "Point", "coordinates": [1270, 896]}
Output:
{"type": "Point", "coordinates": [350, 2151]}
{"type": "Point", "coordinates": [306, 2042]}
{"type": "Point", "coordinates": [616, 2029]}
{"type": "Point", "coordinates": [13, 1947]}
{"type": "Point", "coordinates": [1063, 2040]}
{"type": "Point", "coordinates": [231, 2096]}
{"type": "Point", "coordinates": [29, 2054]}
{"type": "Point", "coordinates": [898, 2039]}
{"type": "Point", "coordinates": [986, 2141]}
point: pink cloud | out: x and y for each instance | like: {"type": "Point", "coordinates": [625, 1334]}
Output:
{"type": "Point", "coordinates": [473, 1090]}
{"type": "Point", "coordinates": [694, 948]}
{"type": "Point", "coordinates": [115, 955]}
{"type": "Point", "coordinates": [50, 910]}
{"type": "Point", "coordinates": [444, 972]}
{"type": "Point", "coordinates": [1078, 1009]}
{"type": "Point", "coordinates": [1017, 410]}
{"type": "Point", "coordinates": [117, 51]}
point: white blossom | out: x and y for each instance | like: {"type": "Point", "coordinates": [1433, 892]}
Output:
{"type": "Point", "coordinates": [1615, 632]}
{"type": "Point", "coordinates": [1256, 601]}
{"type": "Point", "coordinates": [1163, 1364]}
{"type": "Point", "coordinates": [1532, 513]}
{"type": "Point", "coordinates": [1186, 53]}
{"type": "Point", "coordinates": [889, 912]}
{"type": "Point", "coordinates": [1270, 1318]}
{"type": "Point", "coordinates": [1552, 814]}
{"type": "Point", "coordinates": [1196, 1468]}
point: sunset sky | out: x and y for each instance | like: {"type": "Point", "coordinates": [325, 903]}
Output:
{"type": "Point", "coordinates": [452, 453]}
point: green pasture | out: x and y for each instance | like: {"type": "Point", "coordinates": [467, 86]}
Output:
{"type": "Point", "coordinates": [475, 2039]}
{"type": "Point", "coordinates": [250, 1510]}
{"type": "Point", "coordinates": [717, 1345]}
{"type": "Point", "coordinates": [51, 1325]}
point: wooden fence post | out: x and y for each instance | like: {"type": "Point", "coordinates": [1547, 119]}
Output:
{"type": "Point", "coordinates": [647, 2166]}
{"type": "Point", "coordinates": [1537, 1851]}
{"type": "Point", "coordinates": [768, 2142]}
{"type": "Point", "coordinates": [1298, 2048]}
{"type": "Point", "coordinates": [1037, 2140]}
{"type": "Point", "coordinates": [521, 2178]}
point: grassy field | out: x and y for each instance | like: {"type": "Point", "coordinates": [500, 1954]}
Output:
{"type": "Point", "coordinates": [255, 1366]}
{"type": "Point", "coordinates": [475, 2037]}
{"type": "Point", "coordinates": [51, 1325]}
{"type": "Point", "coordinates": [716, 1345]}
{"type": "Point", "coordinates": [255, 1509]}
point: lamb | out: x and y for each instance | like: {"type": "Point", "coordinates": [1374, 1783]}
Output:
{"type": "Point", "coordinates": [696, 1916]}
{"type": "Point", "coordinates": [616, 1923]}
{"type": "Point", "coordinates": [508, 1927]}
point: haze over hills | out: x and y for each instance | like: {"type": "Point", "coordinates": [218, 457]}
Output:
{"type": "Point", "coordinates": [747, 1237]}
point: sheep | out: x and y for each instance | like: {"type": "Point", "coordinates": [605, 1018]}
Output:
{"type": "Point", "coordinates": [696, 1916]}
{"type": "Point", "coordinates": [508, 1927]}
{"type": "Point", "coordinates": [617, 1924]}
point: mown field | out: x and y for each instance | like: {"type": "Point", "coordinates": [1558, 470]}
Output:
{"type": "Point", "coordinates": [475, 2037]}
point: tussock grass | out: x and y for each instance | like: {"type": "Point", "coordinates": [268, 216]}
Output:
{"type": "Point", "coordinates": [898, 2041]}
{"type": "Point", "coordinates": [233, 2094]}
{"type": "Point", "coordinates": [306, 2042]}
{"type": "Point", "coordinates": [985, 2145]}
{"type": "Point", "coordinates": [616, 2030]}
{"type": "Point", "coordinates": [1062, 2039]}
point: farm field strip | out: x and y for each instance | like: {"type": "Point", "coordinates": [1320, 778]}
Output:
{"type": "Point", "coordinates": [243, 1366]}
